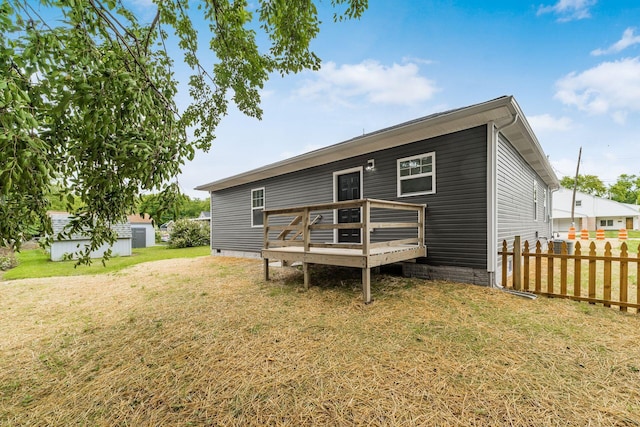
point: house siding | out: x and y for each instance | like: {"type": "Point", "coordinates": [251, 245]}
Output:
{"type": "Point", "coordinates": [515, 200]}
{"type": "Point", "coordinates": [456, 224]}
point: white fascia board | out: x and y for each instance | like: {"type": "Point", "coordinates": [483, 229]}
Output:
{"type": "Point", "coordinates": [526, 143]}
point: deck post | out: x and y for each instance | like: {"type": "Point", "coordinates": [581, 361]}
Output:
{"type": "Point", "coordinates": [265, 222]}
{"type": "Point", "coordinates": [306, 232]}
{"type": "Point", "coordinates": [366, 285]}
{"type": "Point", "coordinates": [305, 271]}
{"type": "Point", "coordinates": [421, 215]}
{"type": "Point", "coordinates": [366, 230]}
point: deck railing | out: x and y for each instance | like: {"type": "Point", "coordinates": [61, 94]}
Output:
{"type": "Point", "coordinates": [606, 278]}
{"type": "Point", "coordinates": [298, 222]}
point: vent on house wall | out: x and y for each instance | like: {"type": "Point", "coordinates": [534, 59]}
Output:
{"type": "Point", "coordinates": [509, 266]}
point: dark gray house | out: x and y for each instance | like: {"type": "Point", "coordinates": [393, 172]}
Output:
{"type": "Point", "coordinates": [479, 170]}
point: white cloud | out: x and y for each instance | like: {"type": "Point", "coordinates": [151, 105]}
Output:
{"type": "Point", "coordinates": [266, 94]}
{"type": "Point", "coordinates": [609, 88]}
{"type": "Point", "coordinates": [413, 59]}
{"type": "Point", "coordinates": [376, 83]}
{"type": "Point", "coordinates": [620, 117]}
{"type": "Point", "coordinates": [546, 123]}
{"type": "Point", "coordinates": [628, 39]}
{"type": "Point", "coordinates": [569, 10]}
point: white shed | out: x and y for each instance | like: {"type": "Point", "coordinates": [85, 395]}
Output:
{"type": "Point", "coordinates": [77, 242]}
{"type": "Point", "coordinates": [143, 234]}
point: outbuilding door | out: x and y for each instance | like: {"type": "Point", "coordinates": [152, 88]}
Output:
{"type": "Point", "coordinates": [139, 237]}
{"type": "Point", "coordinates": [348, 188]}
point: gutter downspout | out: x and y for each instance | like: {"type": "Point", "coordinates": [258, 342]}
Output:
{"type": "Point", "coordinates": [492, 197]}
{"type": "Point", "coordinates": [553, 231]}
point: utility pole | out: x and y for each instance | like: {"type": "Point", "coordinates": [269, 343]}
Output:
{"type": "Point", "coordinates": [575, 185]}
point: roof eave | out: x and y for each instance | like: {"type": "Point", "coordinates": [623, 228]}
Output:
{"type": "Point", "coordinates": [521, 136]}
{"type": "Point", "coordinates": [498, 110]}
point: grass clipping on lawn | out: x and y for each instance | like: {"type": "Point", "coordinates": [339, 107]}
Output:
{"type": "Point", "coordinates": [206, 342]}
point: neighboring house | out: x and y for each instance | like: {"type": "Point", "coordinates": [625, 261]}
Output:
{"type": "Point", "coordinates": [204, 216]}
{"type": "Point", "coordinates": [480, 171]}
{"type": "Point", "coordinates": [143, 234]}
{"type": "Point", "coordinates": [167, 226]}
{"type": "Point", "coordinates": [165, 230]}
{"type": "Point", "coordinates": [592, 212]}
{"type": "Point", "coordinates": [77, 242]}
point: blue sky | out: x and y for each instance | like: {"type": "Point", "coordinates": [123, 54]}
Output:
{"type": "Point", "coordinates": [572, 65]}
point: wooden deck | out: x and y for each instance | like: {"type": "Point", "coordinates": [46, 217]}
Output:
{"type": "Point", "coordinates": [302, 221]}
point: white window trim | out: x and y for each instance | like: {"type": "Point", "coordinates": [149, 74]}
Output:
{"type": "Point", "coordinates": [545, 198]}
{"type": "Point", "coordinates": [432, 174]}
{"type": "Point", "coordinates": [264, 203]}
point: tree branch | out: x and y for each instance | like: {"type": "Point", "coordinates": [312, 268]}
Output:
{"type": "Point", "coordinates": [135, 57]}
{"type": "Point", "coordinates": [153, 24]}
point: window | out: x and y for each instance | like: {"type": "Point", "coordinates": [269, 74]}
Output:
{"type": "Point", "coordinates": [535, 201]}
{"type": "Point", "coordinates": [544, 202]}
{"type": "Point", "coordinates": [578, 203]}
{"type": "Point", "coordinates": [417, 175]}
{"type": "Point", "coordinates": [257, 206]}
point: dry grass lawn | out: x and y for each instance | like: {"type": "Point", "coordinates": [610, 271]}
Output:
{"type": "Point", "coordinates": [206, 342]}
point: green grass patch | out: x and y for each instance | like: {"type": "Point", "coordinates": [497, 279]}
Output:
{"type": "Point", "coordinates": [36, 263]}
{"type": "Point", "coordinates": [613, 234]}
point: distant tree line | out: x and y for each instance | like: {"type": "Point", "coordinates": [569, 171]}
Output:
{"type": "Point", "coordinates": [162, 210]}
{"type": "Point", "coordinates": [625, 190]}
{"type": "Point", "coordinates": [161, 207]}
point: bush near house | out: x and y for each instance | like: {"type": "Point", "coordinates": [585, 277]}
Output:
{"type": "Point", "coordinates": [186, 234]}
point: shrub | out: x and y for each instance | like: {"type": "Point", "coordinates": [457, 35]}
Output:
{"type": "Point", "coordinates": [186, 234]}
{"type": "Point", "coordinates": [7, 259]}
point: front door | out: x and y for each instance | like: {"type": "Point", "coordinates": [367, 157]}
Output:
{"type": "Point", "coordinates": [629, 224]}
{"type": "Point", "coordinates": [348, 189]}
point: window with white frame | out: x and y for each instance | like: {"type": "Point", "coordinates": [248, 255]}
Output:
{"type": "Point", "coordinates": [417, 175]}
{"type": "Point", "coordinates": [544, 203]}
{"type": "Point", "coordinates": [257, 206]}
{"type": "Point", "coordinates": [535, 201]}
